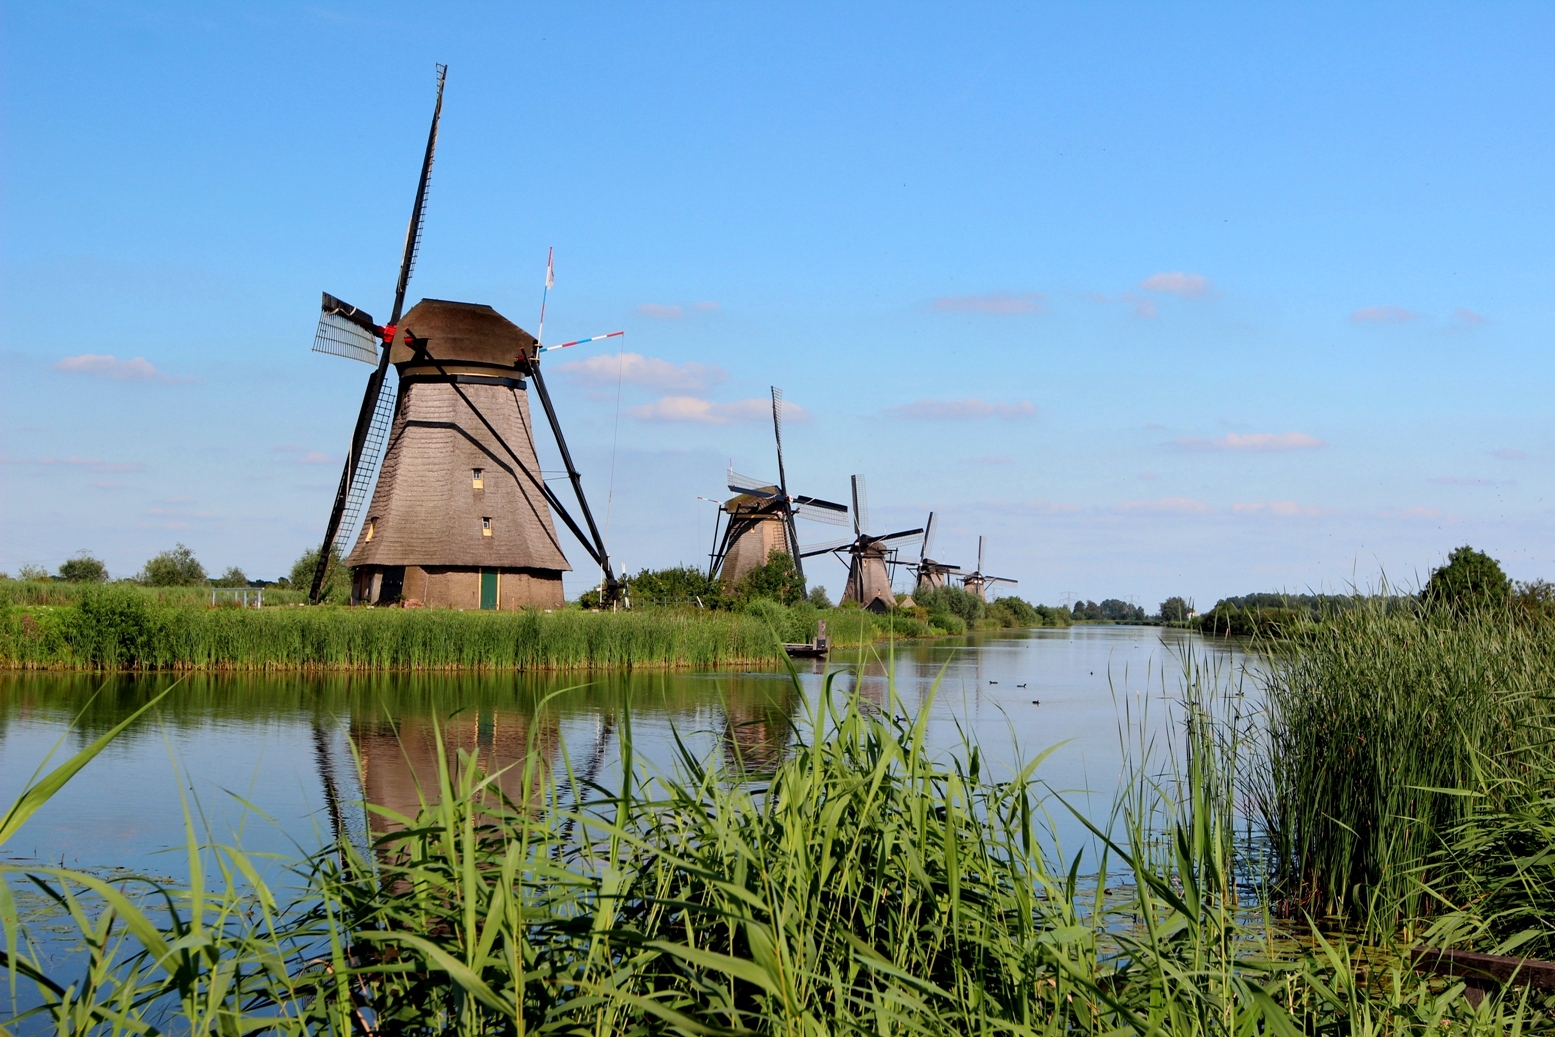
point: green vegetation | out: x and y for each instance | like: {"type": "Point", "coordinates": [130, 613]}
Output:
{"type": "Point", "coordinates": [1470, 579]}
{"type": "Point", "coordinates": [337, 578]}
{"type": "Point", "coordinates": [83, 568]}
{"type": "Point", "coordinates": [1111, 610]}
{"type": "Point", "coordinates": [862, 885]}
{"type": "Point", "coordinates": [176, 568]}
{"type": "Point", "coordinates": [951, 610]}
{"type": "Point", "coordinates": [1174, 610]}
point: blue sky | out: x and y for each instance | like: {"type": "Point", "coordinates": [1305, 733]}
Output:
{"type": "Point", "coordinates": [1161, 299]}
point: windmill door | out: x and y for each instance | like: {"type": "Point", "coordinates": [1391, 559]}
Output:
{"type": "Point", "coordinates": [488, 588]}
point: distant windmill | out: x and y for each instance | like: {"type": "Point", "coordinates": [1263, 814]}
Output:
{"type": "Point", "coordinates": [761, 517]}
{"type": "Point", "coordinates": [870, 558]}
{"type": "Point", "coordinates": [977, 583]}
{"type": "Point", "coordinates": [929, 574]}
{"type": "Point", "coordinates": [461, 515]}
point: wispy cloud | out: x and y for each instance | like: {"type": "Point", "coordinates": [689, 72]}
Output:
{"type": "Point", "coordinates": [91, 464]}
{"type": "Point", "coordinates": [1465, 318]}
{"type": "Point", "coordinates": [991, 459]}
{"type": "Point", "coordinates": [706, 307]}
{"type": "Point", "coordinates": [302, 455]}
{"type": "Point", "coordinates": [1177, 505]}
{"type": "Point", "coordinates": [1409, 513]}
{"type": "Point", "coordinates": [653, 309]}
{"type": "Point", "coordinates": [1383, 315]}
{"type": "Point", "coordinates": [1001, 304]}
{"type": "Point", "coordinates": [644, 370]}
{"type": "Point", "coordinates": [705, 412]}
{"type": "Point", "coordinates": [106, 365]}
{"type": "Point", "coordinates": [1507, 453]}
{"type": "Point", "coordinates": [1177, 282]}
{"type": "Point", "coordinates": [1281, 508]}
{"type": "Point", "coordinates": [1026, 507]}
{"type": "Point", "coordinates": [1252, 441]}
{"type": "Point", "coordinates": [966, 409]}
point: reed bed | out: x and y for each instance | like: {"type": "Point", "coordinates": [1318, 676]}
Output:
{"type": "Point", "coordinates": [58, 592]}
{"type": "Point", "coordinates": [1389, 731]}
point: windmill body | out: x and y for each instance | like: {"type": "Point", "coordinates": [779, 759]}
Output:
{"type": "Point", "coordinates": [870, 558]}
{"type": "Point", "coordinates": [978, 582]}
{"type": "Point", "coordinates": [459, 517]}
{"type": "Point", "coordinates": [930, 574]}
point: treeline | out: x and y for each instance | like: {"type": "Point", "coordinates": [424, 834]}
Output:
{"type": "Point", "coordinates": [945, 610]}
{"type": "Point", "coordinates": [178, 567]}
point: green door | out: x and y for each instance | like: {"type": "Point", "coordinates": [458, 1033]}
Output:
{"type": "Point", "coordinates": [488, 588]}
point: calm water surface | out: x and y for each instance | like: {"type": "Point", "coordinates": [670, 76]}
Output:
{"type": "Point", "coordinates": [252, 757]}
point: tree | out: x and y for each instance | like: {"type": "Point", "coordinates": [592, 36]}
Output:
{"type": "Point", "coordinates": [680, 585]}
{"type": "Point", "coordinates": [778, 580]}
{"type": "Point", "coordinates": [1470, 579]}
{"type": "Point", "coordinates": [337, 578]}
{"type": "Point", "coordinates": [83, 568]}
{"type": "Point", "coordinates": [175, 568]}
{"type": "Point", "coordinates": [1174, 610]}
{"type": "Point", "coordinates": [819, 598]}
{"type": "Point", "coordinates": [233, 577]}
{"type": "Point", "coordinates": [32, 572]}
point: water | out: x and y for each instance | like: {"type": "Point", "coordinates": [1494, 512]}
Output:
{"type": "Point", "coordinates": [255, 758]}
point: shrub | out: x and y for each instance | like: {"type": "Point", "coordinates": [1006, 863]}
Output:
{"type": "Point", "coordinates": [819, 598]}
{"type": "Point", "coordinates": [175, 568]}
{"type": "Point", "coordinates": [777, 579]}
{"type": "Point", "coordinates": [32, 572]}
{"type": "Point", "coordinates": [83, 568]}
{"type": "Point", "coordinates": [955, 601]}
{"type": "Point", "coordinates": [337, 578]}
{"type": "Point", "coordinates": [947, 623]}
{"type": "Point", "coordinates": [1470, 579]}
{"type": "Point", "coordinates": [112, 627]}
{"type": "Point", "coordinates": [233, 577]}
{"type": "Point", "coordinates": [1173, 610]}
{"type": "Point", "coordinates": [678, 585]}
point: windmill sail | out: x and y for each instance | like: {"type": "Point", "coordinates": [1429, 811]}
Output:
{"type": "Point", "coordinates": [346, 331]}
{"type": "Point", "coordinates": [370, 397]}
{"type": "Point", "coordinates": [367, 464]}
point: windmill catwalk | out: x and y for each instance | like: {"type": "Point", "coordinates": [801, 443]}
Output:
{"type": "Point", "coordinates": [760, 518]}
{"type": "Point", "coordinates": [461, 515]}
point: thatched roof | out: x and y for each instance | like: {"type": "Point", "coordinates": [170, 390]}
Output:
{"type": "Point", "coordinates": [461, 331]}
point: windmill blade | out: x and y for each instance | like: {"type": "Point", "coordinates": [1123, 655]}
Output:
{"type": "Point", "coordinates": [777, 434]}
{"type": "Point", "coordinates": [998, 579]}
{"type": "Point", "coordinates": [860, 506]}
{"type": "Point", "coordinates": [755, 487]}
{"type": "Point", "coordinates": [979, 554]}
{"type": "Point", "coordinates": [821, 549]}
{"type": "Point", "coordinates": [364, 417]}
{"type": "Point", "coordinates": [928, 540]}
{"type": "Point", "coordinates": [346, 331]}
{"type": "Point", "coordinates": [816, 502]}
{"type": "Point", "coordinates": [832, 516]}
{"type": "Point", "coordinates": [903, 535]}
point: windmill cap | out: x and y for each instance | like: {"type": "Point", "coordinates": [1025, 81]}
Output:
{"type": "Point", "coordinates": [470, 332]}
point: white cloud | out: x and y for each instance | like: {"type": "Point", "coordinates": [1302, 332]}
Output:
{"type": "Point", "coordinates": [1509, 454]}
{"type": "Point", "coordinates": [965, 409]}
{"type": "Point", "coordinates": [643, 370]}
{"type": "Point", "coordinates": [653, 309]}
{"type": "Point", "coordinates": [1282, 508]}
{"type": "Point", "coordinates": [1410, 513]}
{"type": "Point", "coordinates": [1258, 441]}
{"type": "Point", "coordinates": [1465, 318]}
{"type": "Point", "coordinates": [1177, 282]}
{"type": "Point", "coordinates": [1178, 505]}
{"type": "Point", "coordinates": [705, 412]}
{"type": "Point", "coordinates": [302, 455]}
{"type": "Point", "coordinates": [1029, 507]}
{"type": "Point", "coordinates": [1382, 315]}
{"type": "Point", "coordinates": [92, 464]}
{"type": "Point", "coordinates": [106, 365]}
{"type": "Point", "coordinates": [1002, 304]}
{"type": "Point", "coordinates": [706, 307]}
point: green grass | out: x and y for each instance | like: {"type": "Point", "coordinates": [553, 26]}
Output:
{"type": "Point", "coordinates": [55, 592]}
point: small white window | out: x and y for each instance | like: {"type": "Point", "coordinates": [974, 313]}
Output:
{"type": "Point", "coordinates": [486, 526]}
{"type": "Point", "coordinates": [476, 481]}
{"type": "Point", "coordinates": [372, 527]}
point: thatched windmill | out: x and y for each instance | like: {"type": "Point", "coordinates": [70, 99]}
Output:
{"type": "Point", "coordinates": [461, 515]}
{"type": "Point", "coordinates": [760, 518]}
{"type": "Point", "coordinates": [976, 582]}
{"type": "Point", "coordinates": [930, 575]}
{"type": "Point", "coordinates": [870, 558]}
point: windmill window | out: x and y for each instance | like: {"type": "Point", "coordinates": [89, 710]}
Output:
{"type": "Point", "coordinates": [372, 527]}
{"type": "Point", "coordinates": [486, 526]}
{"type": "Point", "coordinates": [475, 479]}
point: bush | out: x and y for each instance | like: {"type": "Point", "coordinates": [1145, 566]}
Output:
{"type": "Point", "coordinates": [679, 585]}
{"type": "Point", "coordinates": [337, 578]}
{"type": "Point", "coordinates": [32, 572]}
{"type": "Point", "coordinates": [175, 568]}
{"type": "Point", "coordinates": [947, 623]}
{"type": "Point", "coordinates": [83, 568]}
{"type": "Point", "coordinates": [1471, 579]}
{"type": "Point", "coordinates": [233, 577]}
{"type": "Point", "coordinates": [1174, 610]}
{"type": "Point", "coordinates": [969, 608]}
{"type": "Point", "coordinates": [1014, 611]}
{"type": "Point", "coordinates": [111, 628]}
{"type": "Point", "coordinates": [777, 580]}
{"type": "Point", "coordinates": [819, 598]}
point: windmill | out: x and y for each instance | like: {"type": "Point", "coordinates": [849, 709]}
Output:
{"type": "Point", "coordinates": [870, 558]}
{"type": "Point", "coordinates": [930, 575]}
{"type": "Point", "coordinates": [460, 515]}
{"type": "Point", "coordinates": [760, 518]}
{"type": "Point", "coordinates": [976, 583]}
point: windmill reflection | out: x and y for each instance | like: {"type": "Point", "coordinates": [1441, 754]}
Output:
{"type": "Point", "coordinates": [758, 724]}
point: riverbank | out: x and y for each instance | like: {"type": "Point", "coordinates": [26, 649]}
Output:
{"type": "Point", "coordinates": [113, 629]}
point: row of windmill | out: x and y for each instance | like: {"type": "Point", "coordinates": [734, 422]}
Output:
{"type": "Point", "coordinates": [761, 521]}
{"type": "Point", "coordinates": [442, 487]}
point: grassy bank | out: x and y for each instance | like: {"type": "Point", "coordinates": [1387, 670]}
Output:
{"type": "Point", "coordinates": [866, 885]}
{"type": "Point", "coordinates": [114, 628]}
